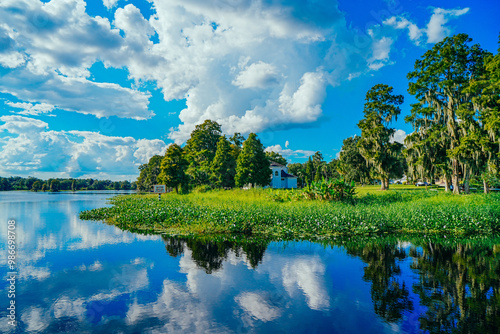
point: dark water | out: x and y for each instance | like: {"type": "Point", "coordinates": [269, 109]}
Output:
{"type": "Point", "coordinates": [87, 277]}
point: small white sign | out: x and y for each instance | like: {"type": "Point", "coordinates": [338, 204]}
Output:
{"type": "Point", "coordinates": [160, 189]}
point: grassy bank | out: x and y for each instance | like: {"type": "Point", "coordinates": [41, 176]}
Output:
{"type": "Point", "coordinates": [254, 212]}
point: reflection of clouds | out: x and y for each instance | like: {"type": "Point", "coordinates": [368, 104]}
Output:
{"type": "Point", "coordinates": [307, 274]}
{"type": "Point", "coordinates": [93, 235]}
{"type": "Point", "coordinates": [65, 307]}
{"type": "Point", "coordinates": [31, 272]}
{"type": "Point", "coordinates": [257, 306]}
{"type": "Point", "coordinates": [36, 319]}
{"type": "Point", "coordinates": [197, 281]}
{"type": "Point", "coordinates": [177, 309]}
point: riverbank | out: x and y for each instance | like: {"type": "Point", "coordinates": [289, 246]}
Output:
{"type": "Point", "coordinates": [254, 212]}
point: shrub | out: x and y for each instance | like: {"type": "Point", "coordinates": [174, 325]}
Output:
{"type": "Point", "coordinates": [331, 190]}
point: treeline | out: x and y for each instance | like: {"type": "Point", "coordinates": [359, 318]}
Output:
{"type": "Point", "coordinates": [456, 123]}
{"type": "Point", "coordinates": [210, 160]}
{"type": "Point", "coordinates": [60, 184]}
{"type": "Point", "coordinates": [456, 136]}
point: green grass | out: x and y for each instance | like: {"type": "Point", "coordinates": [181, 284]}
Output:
{"type": "Point", "coordinates": [253, 212]}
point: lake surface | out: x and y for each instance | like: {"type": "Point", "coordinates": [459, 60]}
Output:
{"type": "Point", "coordinates": [79, 276]}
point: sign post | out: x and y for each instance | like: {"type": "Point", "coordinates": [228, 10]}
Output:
{"type": "Point", "coordinates": [159, 189]}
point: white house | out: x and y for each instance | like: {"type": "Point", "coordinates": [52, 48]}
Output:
{"type": "Point", "coordinates": [280, 177]}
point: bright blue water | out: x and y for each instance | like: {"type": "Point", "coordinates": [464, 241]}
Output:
{"type": "Point", "coordinates": [79, 276]}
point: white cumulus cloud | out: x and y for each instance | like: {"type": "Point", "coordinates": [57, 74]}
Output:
{"type": "Point", "coordinates": [434, 31]}
{"type": "Point", "coordinates": [28, 147]}
{"type": "Point", "coordinates": [289, 153]}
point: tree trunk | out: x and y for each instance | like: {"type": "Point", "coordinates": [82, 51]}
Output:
{"type": "Point", "coordinates": [382, 184]}
{"type": "Point", "coordinates": [466, 180]}
{"type": "Point", "coordinates": [454, 176]}
{"type": "Point", "coordinates": [176, 188]}
{"type": "Point", "coordinates": [486, 187]}
{"type": "Point", "coordinates": [387, 184]}
{"type": "Point", "coordinates": [447, 182]}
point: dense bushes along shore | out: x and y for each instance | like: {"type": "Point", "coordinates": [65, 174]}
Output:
{"type": "Point", "coordinates": [255, 212]}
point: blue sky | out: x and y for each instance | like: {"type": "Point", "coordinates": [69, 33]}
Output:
{"type": "Point", "coordinates": [95, 88]}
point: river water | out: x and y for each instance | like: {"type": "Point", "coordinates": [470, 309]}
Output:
{"type": "Point", "coordinates": [75, 276]}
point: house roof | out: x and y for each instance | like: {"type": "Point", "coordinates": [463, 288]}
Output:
{"type": "Point", "coordinates": [285, 174]}
{"type": "Point", "coordinates": [275, 164]}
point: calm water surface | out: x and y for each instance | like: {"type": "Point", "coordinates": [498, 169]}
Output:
{"type": "Point", "coordinates": [78, 276]}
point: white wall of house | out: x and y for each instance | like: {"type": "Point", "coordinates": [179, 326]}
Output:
{"type": "Point", "coordinates": [276, 177]}
{"type": "Point", "coordinates": [279, 182]}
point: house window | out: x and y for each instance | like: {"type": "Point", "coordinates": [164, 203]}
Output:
{"type": "Point", "coordinates": [275, 173]}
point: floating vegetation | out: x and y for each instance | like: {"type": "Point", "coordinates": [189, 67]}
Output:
{"type": "Point", "coordinates": [254, 212]}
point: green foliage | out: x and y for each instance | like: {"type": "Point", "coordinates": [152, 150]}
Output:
{"type": "Point", "coordinates": [424, 212]}
{"type": "Point", "coordinates": [441, 82]}
{"type": "Point", "coordinates": [223, 167]}
{"type": "Point", "coordinates": [252, 165]}
{"type": "Point", "coordinates": [149, 173]}
{"type": "Point", "coordinates": [375, 145]}
{"type": "Point", "coordinates": [276, 157]}
{"type": "Point", "coordinates": [55, 185]}
{"type": "Point", "coordinates": [200, 151]}
{"type": "Point", "coordinates": [331, 190]}
{"type": "Point", "coordinates": [37, 185]}
{"type": "Point", "coordinates": [173, 168]}
{"type": "Point", "coordinates": [351, 163]}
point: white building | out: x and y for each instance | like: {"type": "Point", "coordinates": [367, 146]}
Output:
{"type": "Point", "coordinates": [280, 178]}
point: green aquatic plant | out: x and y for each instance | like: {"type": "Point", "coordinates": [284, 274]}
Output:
{"type": "Point", "coordinates": [251, 212]}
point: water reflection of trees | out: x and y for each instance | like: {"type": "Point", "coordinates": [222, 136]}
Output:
{"type": "Point", "coordinates": [390, 295]}
{"type": "Point", "coordinates": [209, 254]}
{"type": "Point", "coordinates": [459, 283]}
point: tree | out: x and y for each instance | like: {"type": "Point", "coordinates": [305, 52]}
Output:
{"type": "Point", "coordinates": [309, 171]}
{"type": "Point", "coordinates": [200, 151]}
{"type": "Point", "coordinates": [44, 187]}
{"type": "Point", "coordinates": [236, 142]}
{"type": "Point", "coordinates": [149, 173]}
{"type": "Point", "coordinates": [37, 185]}
{"type": "Point", "coordinates": [173, 168]}
{"type": "Point", "coordinates": [276, 157]}
{"type": "Point", "coordinates": [253, 167]}
{"type": "Point", "coordinates": [439, 82]}
{"type": "Point", "coordinates": [298, 170]}
{"type": "Point", "coordinates": [351, 163]}
{"type": "Point", "coordinates": [485, 129]}
{"type": "Point", "coordinates": [73, 185]}
{"type": "Point", "coordinates": [375, 145]}
{"type": "Point", "coordinates": [223, 166]}
{"type": "Point", "coordinates": [55, 185]}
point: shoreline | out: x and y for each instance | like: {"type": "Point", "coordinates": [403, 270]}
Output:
{"type": "Point", "coordinates": [254, 213]}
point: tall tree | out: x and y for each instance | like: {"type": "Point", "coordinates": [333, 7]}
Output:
{"type": "Point", "coordinates": [223, 166]}
{"type": "Point", "coordinates": [173, 168]}
{"type": "Point", "coordinates": [200, 151]}
{"type": "Point", "coordinates": [236, 143]}
{"type": "Point", "coordinates": [55, 185]}
{"type": "Point", "coordinates": [439, 82]}
{"type": "Point", "coordinates": [376, 144]}
{"type": "Point", "coordinates": [253, 167]}
{"type": "Point", "coordinates": [309, 171]}
{"type": "Point", "coordinates": [351, 163]}
{"type": "Point", "coordinates": [484, 128]}
{"type": "Point", "coordinates": [149, 173]}
{"type": "Point", "coordinates": [37, 185]}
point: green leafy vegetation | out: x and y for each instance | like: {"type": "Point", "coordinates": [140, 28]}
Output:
{"type": "Point", "coordinates": [252, 212]}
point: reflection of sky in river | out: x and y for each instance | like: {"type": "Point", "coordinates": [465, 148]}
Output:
{"type": "Point", "coordinates": [81, 276]}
